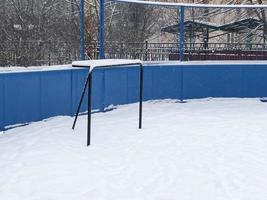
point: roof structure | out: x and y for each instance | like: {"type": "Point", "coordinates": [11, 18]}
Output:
{"type": "Point", "coordinates": [241, 25]}
{"type": "Point", "coordinates": [189, 25]}
{"type": "Point", "coordinates": [197, 26]}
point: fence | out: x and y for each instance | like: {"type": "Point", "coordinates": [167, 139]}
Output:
{"type": "Point", "coordinates": [36, 53]}
{"type": "Point", "coordinates": [193, 51]}
{"type": "Point", "coordinates": [41, 53]}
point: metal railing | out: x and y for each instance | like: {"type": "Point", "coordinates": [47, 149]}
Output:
{"type": "Point", "coordinates": [143, 51]}
{"type": "Point", "coordinates": [193, 51]}
{"type": "Point", "coordinates": [38, 53]}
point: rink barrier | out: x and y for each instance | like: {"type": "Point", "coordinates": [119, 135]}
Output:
{"type": "Point", "coordinates": [36, 95]}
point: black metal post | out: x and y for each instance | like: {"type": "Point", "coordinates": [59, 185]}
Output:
{"type": "Point", "coordinates": [81, 100]}
{"type": "Point", "coordinates": [141, 95]}
{"type": "Point", "coordinates": [49, 53]}
{"type": "Point", "coordinates": [146, 50]}
{"type": "Point", "coordinates": [89, 109]}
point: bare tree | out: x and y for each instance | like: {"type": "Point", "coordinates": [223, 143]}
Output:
{"type": "Point", "coordinates": [32, 29]}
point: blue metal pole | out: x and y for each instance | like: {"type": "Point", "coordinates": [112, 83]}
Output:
{"type": "Point", "coordinates": [181, 49]}
{"type": "Point", "coordinates": [181, 44]}
{"type": "Point", "coordinates": [82, 39]}
{"type": "Point", "coordinates": [102, 30]}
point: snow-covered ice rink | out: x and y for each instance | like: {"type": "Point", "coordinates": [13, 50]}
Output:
{"type": "Point", "coordinates": [210, 149]}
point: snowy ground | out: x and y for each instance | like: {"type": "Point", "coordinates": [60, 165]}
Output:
{"type": "Point", "coordinates": [200, 150]}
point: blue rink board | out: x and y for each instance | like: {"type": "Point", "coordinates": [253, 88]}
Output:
{"type": "Point", "coordinates": [33, 96]}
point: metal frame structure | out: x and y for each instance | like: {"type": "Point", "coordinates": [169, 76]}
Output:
{"type": "Point", "coordinates": [180, 6]}
{"type": "Point", "coordinates": [102, 30]}
{"type": "Point", "coordinates": [92, 64]}
{"type": "Point", "coordinates": [82, 35]}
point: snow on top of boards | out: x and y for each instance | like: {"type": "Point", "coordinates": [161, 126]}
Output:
{"type": "Point", "coordinates": [105, 63]}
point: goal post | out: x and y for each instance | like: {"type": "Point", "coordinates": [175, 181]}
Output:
{"type": "Point", "coordinates": [94, 64]}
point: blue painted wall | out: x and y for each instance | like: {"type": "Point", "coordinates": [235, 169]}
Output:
{"type": "Point", "coordinates": [214, 81]}
{"type": "Point", "coordinates": [33, 96]}
{"type": "Point", "coordinates": [2, 102]}
{"type": "Point", "coordinates": [224, 81]}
